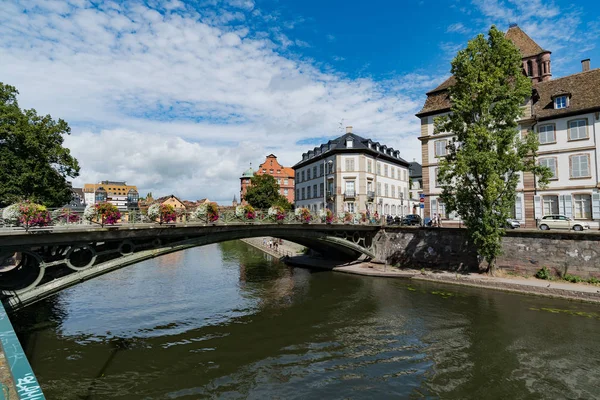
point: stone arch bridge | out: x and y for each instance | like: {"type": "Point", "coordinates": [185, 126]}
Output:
{"type": "Point", "coordinates": [37, 264]}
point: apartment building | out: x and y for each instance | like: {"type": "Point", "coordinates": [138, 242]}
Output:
{"type": "Point", "coordinates": [283, 175]}
{"type": "Point", "coordinates": [565, 115]}
{"type": "Point", "coordinates": [353, 174]}
{"type": "Point", "coordinates": [116, 192]}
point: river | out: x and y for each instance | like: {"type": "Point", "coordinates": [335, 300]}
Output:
{"type": "Point", "coordinates": [227, 321]}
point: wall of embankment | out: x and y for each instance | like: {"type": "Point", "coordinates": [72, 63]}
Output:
{"type": "Point", "coordinates": [524, 251]}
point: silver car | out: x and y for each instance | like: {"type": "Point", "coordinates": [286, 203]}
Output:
{"type": "Point", "coordinates": [562, 222]}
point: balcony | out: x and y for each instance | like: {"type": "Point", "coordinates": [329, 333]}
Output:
{"type": "Point", "coordinates": [349, 194]}
{"type": "Point", "coordinates": [370, 195]}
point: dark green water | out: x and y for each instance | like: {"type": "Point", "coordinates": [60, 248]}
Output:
{"type": "Point", "coordinates": [225, 321]}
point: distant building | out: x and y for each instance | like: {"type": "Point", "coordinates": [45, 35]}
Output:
{"type": "Point", "coordinates": [116, 192]}
{"type": "Point", "coordinates": [565, 115]}
{"type": "Point", "coordinates": [283, 175]}
{"type": "Point", "coordinates": [358, 175]}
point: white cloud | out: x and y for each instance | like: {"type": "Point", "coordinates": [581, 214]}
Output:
{"type": "Point", "coordinates": [458, 28]}
{"type": "Point", "coordinates": [178, 100]}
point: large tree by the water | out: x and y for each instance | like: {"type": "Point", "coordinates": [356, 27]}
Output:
{"type": "Point", "coordinates": [484, 160]}
{"type": "Point", "coordinates": [34, 165]}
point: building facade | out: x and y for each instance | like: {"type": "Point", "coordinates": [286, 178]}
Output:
{"type": "Point", "coordinates": [118, 193]}
{"type": "Point", "coordinates": [353, 174]}
{"type": "Point", "coordinates": [565, 115]}
{"type": "Point", "coordinates": [416, 188]}
{"type": "Point", "coordinates": [283, 175]}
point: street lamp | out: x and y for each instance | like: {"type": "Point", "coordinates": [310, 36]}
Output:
{"type": "Point", "coordinates": [325, 164]}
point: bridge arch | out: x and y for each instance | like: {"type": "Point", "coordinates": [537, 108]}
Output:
{"type": "Point", "coordinates": [51, 261]}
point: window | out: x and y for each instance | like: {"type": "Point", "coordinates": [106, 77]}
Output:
{"type": "Point", "coordinates": [350, 207]}
{"type": "Point", "coordinates": [560, 102]}
{"type": "Point", "coordinates": [308, 174]}
{"type": "Point", "coordinates": [308, 192]}
{"type": "Point", "coordinates": [303, 178]}
{"type": "Point", "coordinates": [378, 169]}
{"type": "Point", "coordinates": [279, 181]}
{"type": "Point", "coordinates": [394, 191]}
{"type": "Point", "coordinates": [285, 192]}
{"type": "Point", "coordinates": [315, 171]}
{"type": "Point", "coordinates": [578, 129]}
{"type": "Point", "coordinates": [378, 189]}
{"type": "Point", "coordinates": [580, 166]}
{"type": "Point", "coordinates": [369, 166]}
{"type": "Point", "coordinates": [330, 166]}
{"type": "Point", "coordinates": [386, 190]}
{"type": "Point", "coordinates": [440, 148]}
{"type": "Point", "coordinates": [550, 204]}
{"type": "Point", "coordinates": [321, 187]}
{"type": "Point", "coordinates": [582, 206]}
{"type": "Point", "coordinates": [286, 182]}
{"type": "Point", "coordinates": [349, 143]}
{"type": "Point", "coordinates": [529, 68]}
{"type": "Point", "coordinates": [350, 188]}
{"type": "Point", "coordinates": [551, 164]}
{"type": "Point", "coordinates": [321, 170]}
{"type": "Point", "coordinates": [349, 164]}
{"type": "Point", "coordinates": [385, 170]}
{"type": "Point", "coordinates": [314, 190]}
{"type": "Point", "coordinates": [546, 134]}
{"type": "Point", "coordinates": [303, 194]}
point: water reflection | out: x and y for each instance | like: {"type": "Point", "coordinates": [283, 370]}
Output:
{"type": "Point", "coordinates": [222, 321]}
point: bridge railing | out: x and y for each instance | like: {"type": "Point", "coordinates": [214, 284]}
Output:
{"type": "Point", "coordinates": [62, 218]}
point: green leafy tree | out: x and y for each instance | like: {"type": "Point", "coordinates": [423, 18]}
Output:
{"type": "Point", "coordinates": [480, 173]}
{"type": "Point", "coordinates": [263, 192]}
{"type": "Point", "coordinates": [33, 163]}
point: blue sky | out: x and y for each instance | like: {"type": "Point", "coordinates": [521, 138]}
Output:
{"type": "Point", "coordinates": [179, 97]}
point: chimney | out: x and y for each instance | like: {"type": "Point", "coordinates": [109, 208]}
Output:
{"type": "Point", "coordinates": [348, 129]}
{"type": "Point", "coordinates": [585, 65]}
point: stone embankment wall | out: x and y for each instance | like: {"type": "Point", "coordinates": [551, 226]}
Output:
{"type": "Point", "coordinates": [524, 251]}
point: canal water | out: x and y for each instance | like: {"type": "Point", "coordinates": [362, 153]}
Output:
{"type": "Point", "coordinates": [227, 321]}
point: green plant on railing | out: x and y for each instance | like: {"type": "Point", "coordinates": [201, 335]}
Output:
{"type": "Point", "coordinates": [572, 278]}
{"type": "Point", "coordinates": [543, 273]}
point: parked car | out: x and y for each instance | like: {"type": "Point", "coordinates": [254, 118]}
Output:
{"type": "Point", "coordinates": [513, 223]}
{"type": "Point", "coordinates": [562, 222]}
{"type": "Point", "coordinates": [412, 219]}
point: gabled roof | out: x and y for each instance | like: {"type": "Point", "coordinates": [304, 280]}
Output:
{"type": "Point", "coordinates": [583, 89]}
{"type": "Point", "coordinates": [359, 144]}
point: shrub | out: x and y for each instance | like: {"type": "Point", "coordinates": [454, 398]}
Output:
{"type": "Point", "coordinates": [246, 212]}
{"type": "Point", "coordinates": [65, 216]}
{"type": "Point", "coordinates": [277, 213]}
{"type": "Point", "coordinates": [593, 280]}
{"type": "Point", "coordinates": [33, 214]}
{"type": "Point", "coordinates": [326, 215]}
{"type": "Point", "coordinates": [572, 278]}
{"type": "Point", "coordinates": [303, 214]}
{"type": "Point", "coordinates": [543, 274]}
{"type": "Point", "coordinates": [164, 212]}
{"type": "Point", "coordinates": [208, 211]}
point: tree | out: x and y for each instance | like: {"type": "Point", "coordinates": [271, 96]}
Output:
{"type": "Point", "coordinates": [263, 192]}
{"type": "Point", "coordinates": [480, 173]}
{"type": "Point", "coordinates": [33, 163]}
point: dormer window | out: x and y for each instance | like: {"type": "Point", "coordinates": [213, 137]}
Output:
{"type": "Point", "coordinates": [560, 102]}
{"type": "Point", "coordinates": [349, 143]}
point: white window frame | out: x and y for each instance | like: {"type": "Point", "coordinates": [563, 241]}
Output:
{"type": "Point", "coordinates": [579, 128]}
{"type": "Point", "coordinates": [575, 164]}
{"type": "Point", "coordinates": [561, 102]}
{"type": "Point", "coordinates": [545, 162]}
{"type": "Point", "coordinates": [440, 148]}
{"type": "Point", "coordinates": [544, 129]}
{"type": "Point", "coordinates": [582, 206]}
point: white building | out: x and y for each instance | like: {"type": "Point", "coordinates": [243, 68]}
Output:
{"type": "Point", "coordinates": [353, 174]}
{"type": "Point", "coordinates": [565, 115]}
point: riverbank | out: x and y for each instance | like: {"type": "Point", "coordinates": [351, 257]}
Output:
{"type": "Point", "coordinates": [291, 254]}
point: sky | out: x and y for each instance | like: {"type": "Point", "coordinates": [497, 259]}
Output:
{"type": "Point", "coordinates": [179, 97]}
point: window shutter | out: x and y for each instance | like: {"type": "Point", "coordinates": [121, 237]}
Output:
{"type": "Point", "coordinates": [433, 207]}
{"type": "Point", "coordinates": [568, 205]}
{"type": "Point", "coordinates": [537, 203]}
{"type": "Point", "coordinates": [595, 205]}
{"type": "Point", "coordinates": [561, 205]}
{"type": "Point", "coordinates": [518, 208]}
